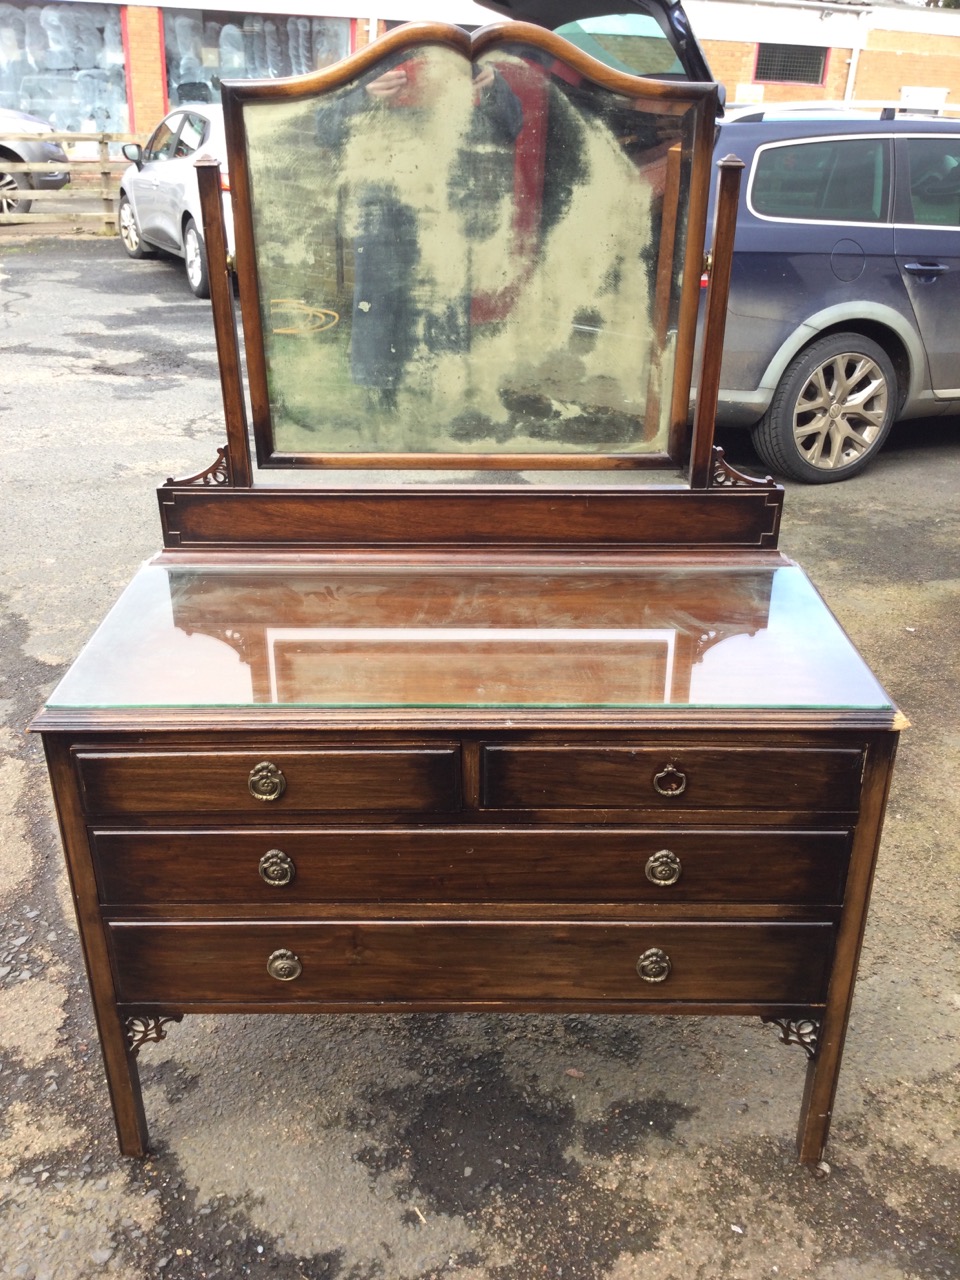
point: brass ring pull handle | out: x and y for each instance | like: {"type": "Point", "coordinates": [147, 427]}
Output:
{"type": "Point", "coordinates": [276, 868]}
{"type": "Point", "coordinates": [284, 966]}
{"type": "Point", "coordinates": [654, 965]}
{"type": "Point", "coordinates": [670, 781]}
{"type": "Point", "coordinates": [266, 782]}
{"type": "Point", "coordinates": [663, 867]}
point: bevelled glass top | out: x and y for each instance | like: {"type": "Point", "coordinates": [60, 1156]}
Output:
{"type": "Point", "coordinates": [555, 636]}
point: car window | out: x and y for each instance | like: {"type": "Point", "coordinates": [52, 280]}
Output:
{"type": "Point", "coordinates": [191, 135]}
{"type": "Point", "coordinates": [630, 42]}
{"type": "Point", "coordinates": [825, 180]}
{"type": "Point", "coordinates": [934, 176]}
{"type": "Point", "coordinates": [160, 146]}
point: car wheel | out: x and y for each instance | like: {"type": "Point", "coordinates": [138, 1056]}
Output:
{"type": "Point", "coordinates": [195, 256]}
{"type": "Point", "coordinates": [130, 230]}
{"type": "Point", "coordinates": [11, 186]}
{"type": "Point", "coordinates": [831, 412]}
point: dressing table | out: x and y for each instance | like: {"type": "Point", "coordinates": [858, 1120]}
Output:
{"type": "Point", "coordinates": [470, 676]}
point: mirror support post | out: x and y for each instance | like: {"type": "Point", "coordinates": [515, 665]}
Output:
{"type": "Point", "coordinates": [224, 323]}
{"type": "Point", "coordinates": [708, 390]}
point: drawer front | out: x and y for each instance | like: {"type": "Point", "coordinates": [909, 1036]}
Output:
{"type": "Point", "coordinates": [522, 777]}
{"type": "Point", "coordinates": [405, 779]}
{"type": "Point", "coordinates": [470, 864]}
{"type": "Point", "coordinates": [377, 962]}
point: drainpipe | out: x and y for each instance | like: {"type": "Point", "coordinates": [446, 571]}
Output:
{"type": "Point", "coordinates": [851, 85]}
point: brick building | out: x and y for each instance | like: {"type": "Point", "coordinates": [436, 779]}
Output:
{"type": "Point", "coordinates": [119, 66]}
{"type": "Point", "coordinates": [783, 50]}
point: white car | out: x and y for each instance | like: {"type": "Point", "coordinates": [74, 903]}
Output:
{"type": "Point", "coordinates": [159, 196]}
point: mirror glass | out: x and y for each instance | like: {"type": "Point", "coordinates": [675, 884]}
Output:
{"type": "Point", "coordinates": [467, 262]}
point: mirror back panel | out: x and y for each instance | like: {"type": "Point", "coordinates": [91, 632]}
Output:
{"type": "Point", "coordinates": [458, 252]}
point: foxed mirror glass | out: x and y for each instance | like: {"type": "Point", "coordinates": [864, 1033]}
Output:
{"type": "Point", "coordinates": [478, 253]}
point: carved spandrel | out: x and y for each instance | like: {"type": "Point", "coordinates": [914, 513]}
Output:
{"type": "Point", "coordinates": [144, 1029]}
{"type": "Point", "coordinates": [725, 476]}
{"type": "Point", "coordinates": [804, 1032]}
{"type": "Point", "coordinates": [216, 474]}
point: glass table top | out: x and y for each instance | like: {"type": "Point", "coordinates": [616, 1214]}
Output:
{"type": "Point", "coordinates": [548, 636]}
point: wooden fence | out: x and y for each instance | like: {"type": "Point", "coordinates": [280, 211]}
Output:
{"type": "Point", "coordinates": [90, 196]}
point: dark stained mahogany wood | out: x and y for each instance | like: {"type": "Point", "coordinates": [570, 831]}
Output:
{"type": "Point", "coordinates": [378, 962]}
{"type": "Point", "coordinates": [416, 780]}
{"type": "Point", "coordinates": [469, 864]}
{"type": "Point", "coordinates": [715, 319]}
{"type": "Point", "coordinates": [600, 519]}
{"type": "Point", "coordinates": [123, 1081]}
{"type": "Point", "coordinates": [663, 286]}
{"type": "Point", "coordinates": [224, 323]}
{"type": "Point", "coordinates": [760, 777]}
{"type": "Point", "coordinates": [823, 1071]}
{"type": "Point", "coordinates": [730, 924]}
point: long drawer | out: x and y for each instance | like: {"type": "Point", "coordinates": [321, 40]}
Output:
{"type": "Point", "coordinates": [561, 777]}
{"type": "Point", "coordinates": [403, 779]}
{"type": "Point", "coordinates": [470, 864]}
{"type": "Point", "coordinates": [377, 962]}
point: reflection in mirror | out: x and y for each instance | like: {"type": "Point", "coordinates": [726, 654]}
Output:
{"type": "Point", "coordinates": [465, 261]}
{"type": "Point", "coordinates": [483, 636]}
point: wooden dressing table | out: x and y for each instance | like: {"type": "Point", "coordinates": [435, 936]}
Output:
{"type": "Point", "coordinates": [568, 735]}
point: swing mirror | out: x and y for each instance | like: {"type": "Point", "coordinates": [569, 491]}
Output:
{"type": "Point", "coordinates": [469, 254]}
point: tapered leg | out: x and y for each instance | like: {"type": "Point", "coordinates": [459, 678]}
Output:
{"type": "Point", "coordinates": [120, 1037]}
{"type": "Point", "coordinates": [819, 1088]}
{"type": "Point", "coordinates": [824, 1067]}
{"type": "Point", "coordinates": [819, 1091]}
{"type": "Point", "coordinates": [123, 1083]}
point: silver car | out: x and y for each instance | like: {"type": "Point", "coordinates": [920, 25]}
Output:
{"type": "Point", "coordinates": [34, 150]}
{"type": "Point", "coordinates": [159, 196]}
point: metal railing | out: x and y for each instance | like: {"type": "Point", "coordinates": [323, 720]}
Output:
{"type": "Point", "coordinates": [93, 180]}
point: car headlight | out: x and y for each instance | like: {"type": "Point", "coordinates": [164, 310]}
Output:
{"type": "Point", "coordinates": [54, 151]}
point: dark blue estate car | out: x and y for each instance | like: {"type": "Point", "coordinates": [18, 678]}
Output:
{"type": "Point", "coordinates": [844, 307]}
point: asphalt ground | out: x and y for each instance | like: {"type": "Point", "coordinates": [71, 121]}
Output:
{"type": "Point", "coordinates": [419, 1147]}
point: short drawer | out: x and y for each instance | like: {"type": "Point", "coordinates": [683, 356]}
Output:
{"type": "Point", "coordinates": [532, 777]}
{"type": "Point", "coordinates": [418, 962]}
{"type": "Point", "coordinates": [470, 864]}
{"type": "Point", "coordinates": [403, 779]}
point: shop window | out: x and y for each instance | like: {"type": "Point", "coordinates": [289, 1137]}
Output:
{"type": "Point", "coordinates": [204, 47]}
{"type": "Point", "coordinates": [64, 63]}
{"type": "Point", "coordinates": [791, 63]}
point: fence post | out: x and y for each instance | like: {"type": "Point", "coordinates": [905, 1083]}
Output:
{"type": "Point", "coordinates": [105, 191]}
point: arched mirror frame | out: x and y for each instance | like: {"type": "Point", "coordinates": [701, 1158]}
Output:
{"type": "Point", "coordinates": [684, 206]}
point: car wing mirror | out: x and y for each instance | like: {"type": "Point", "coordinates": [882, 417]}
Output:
{"type": "Point", "coordinates": [134, 153]}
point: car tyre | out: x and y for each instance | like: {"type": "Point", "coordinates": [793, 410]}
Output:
{"type": "Point", "coordinates": [129, 229]}
{"type": "Point", "coordinates": [195, 258]}
{"type": "Point", "coordinates": [11, 185]}
{"type": "Point", "coordinates": [831, 412]}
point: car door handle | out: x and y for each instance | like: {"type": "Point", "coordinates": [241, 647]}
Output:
{"type": "Point", "coordinates": [926, 268]}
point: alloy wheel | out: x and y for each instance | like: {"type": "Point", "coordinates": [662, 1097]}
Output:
{"type": "Point", "coordinates": [11, 194]}
{"type": "Point", "coordinates": [129, 231]}
{"type": "Point", "coordinates": [193, 257]}
{"type": "Point", "coordinates": [841, 410]}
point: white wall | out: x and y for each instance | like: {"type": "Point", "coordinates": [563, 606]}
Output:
{"type": "Point", "coordinates": [456, 11]}
{"type": "Point", "coordinates": [840, 26]}
{"type": "Point", "coordinates": [775, 23]}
